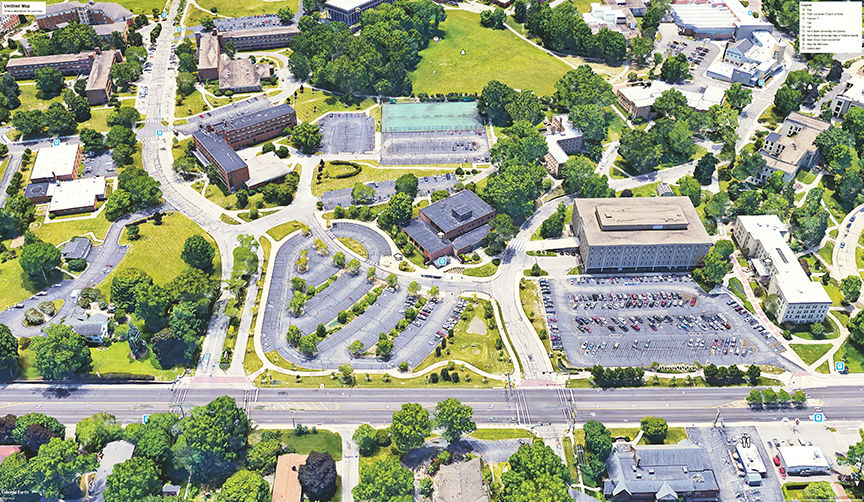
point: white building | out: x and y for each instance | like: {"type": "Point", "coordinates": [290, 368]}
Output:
{"type": "Point", "coordinates": [77, 196]}
{"type": "Point", "coordinates": [804, 461]}
{"type": "Point", "coordinates": [750, 458]}
{"type": "Point", "coordinates": [749, 61]}
{"type": "Point", "coordinates": [638, 100]}
{"type": "Point", "coordinates": [851, 97]}
{"type": "Point", "coordinates": [716, 19]}
{"type": "Point", "coordinates": [612, 18]}
{"type": "Point", "coordinates": [56, 163]}
{"type": "Point", "coordinates": [792, 149]}
{"type": "Point", "coordinates": [799, 300]}
{"type": "Point", "coordinates": [563, 140]}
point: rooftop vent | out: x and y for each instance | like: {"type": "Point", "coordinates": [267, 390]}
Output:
{"type": "Point", "coordinates": [461, 213]}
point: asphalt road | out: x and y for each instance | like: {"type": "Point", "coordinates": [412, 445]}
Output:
{"type": "Point", "coordinates": [71, 403]}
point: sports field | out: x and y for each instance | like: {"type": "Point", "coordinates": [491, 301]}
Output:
{"type": "Point", "coordinates": [489, 55]}
{"type": "Point", "coordinates": [232, 8]}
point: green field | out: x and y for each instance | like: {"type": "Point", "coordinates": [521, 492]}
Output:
{"type": "Point", "coordinates": [157, 250]}
{"type": "Point", "coordinates": [367, 174]}
{"type": "Point", "coordinates": [496, 434]}
{"type": "Point", "coordinates": [59, 231]}
{"type": "Point", "coordinates": [486, 270]}
{"type": "Point", "coordinates": [322, 441]}
{"type": "Point", "coordinates": [475, 348]}
{"type": "Point", "coordinates": [827, 252]}
{"type": "Point", "coordinates": [190, 105]}
{"type": "Point", "coordinates": [248, 7]}
{"type": "Point", "coordinates": [311, 104]}
{"type": "Point", "coordinates": [854, 357]}
{"type": "Point", "coordinates": [279, 232]}
{"type": "Point", "coordinates": [811, 352]}
{"type": "Point", "coordinates": [117, 359]}
{"type": "Point", "coordinates": [489, 55]}
{"type": "Point", "coordinates": [16, 285]}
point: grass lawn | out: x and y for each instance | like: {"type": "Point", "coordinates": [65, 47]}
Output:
{"type": "Point", "coordinates": [354, 245]}
{"type": "Point", "coordinates": [31, 99]}
{"type": "Point", "coordinates": [495, 434]}
{"type": "Point", "coordinates": [834, 292]}
{"type": "Point", "coordinates": [794, 491]}
{"type": "Point", "coordinates": [854, 357]}
{"type": "Point", "coordinates": [811, 352]}
{"type": "Point", "coordinates": [251, 361]}
{"type": "Point", "coordinates": [16, 285]}
{"type": "Point", "coordinates": [570, 458]}
{"type": "Point", "coordinates": [98, 119]}
{"type": "Point", "coordinates": [190, 105]}
{"type": "Point", "coordinates": [218, 197]}
{"type": "Point", "coordinates": [738, 290]}
{"type": "Point", "coordinates": [248, 7]}
{"type": "Point", "coordinates": [824, 368]}
{"type": "Point", "coordinates": [282, 380]}
{"type": "Point", "coordinates": [279, 232]}
{"type": "Point", "coordinates": [770, 117]}
{"type": "Point", "coordinates": [311, 104]}
{"type": "Point", "coordinates": [59, 231]}
{"type": "Point", "coordinates": [827, 252]}
{"type": "Point", "coordinates": [322, 441]}
{"type": "Point", "coordinates": [367, 174]}
{"type": "Point", "coordinates": [673, 436]}
{"type": "Point", "coordinates": [803, 331]}
{"type": "Point", "coordinates": [157, 250]}
{"type": "Point", "coordinates": [649, 190]}
{"type": "Point", "coordinates": [472, 346]}
{"type": "Point", "coordinates": [116, 359]}
{"type": "Point", "coordinates": [481, 271]}
{"type": "Point", "coordinates": [490, 55]}
{"type": "Point", "coordinates": [805, 177]}
{"type": "Point", "coordinates": [529, 296]}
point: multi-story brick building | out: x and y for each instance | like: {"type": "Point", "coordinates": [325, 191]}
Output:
{"type": "Point", "coordinates": [792, 148]}
{"type": "Point", "coordinates": [92, 13]}
{"type": "Point", "coordinates": [8, 22]}
{"type": "Point", "coordinates": [217, 153]}
{"type": "Point", "coordinates": [99, 84]}
{"type": "Point", "coordinates": [349, 11]}
{"type": "Point", "coordinates": [639, 234]}
{"type": "Point", "coordinates": [256, 127]}
{"type": "Point", "coordinates": [67, 64]}
{"type": "Point", "coordinates": [259, 38]}
{"type": "Point", "coordinates": [451, 226]}
{"type": "Point", "coordinates": [208, 55]}
{"type": "Point", "coordinates": [237, 75]}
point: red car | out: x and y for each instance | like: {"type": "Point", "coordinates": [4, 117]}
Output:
{"type": "Point", "coordinates": [782, 472]}
{"type": "Point", "coordinates": [777, 460]}
{"type": "Point", "coordinates": [693, 302]}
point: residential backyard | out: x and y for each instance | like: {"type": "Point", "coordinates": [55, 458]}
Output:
{"type": "Point", "coordinates": [443, 68]}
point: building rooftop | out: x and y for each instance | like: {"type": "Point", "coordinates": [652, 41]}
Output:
{"type": "Point", "coordinates": [750, 457]}
{"type": "Point", "coordinates": [286, 484]}
{"type": "Point", "coordinates": [78, 193]}
{"type": "Point", "coordinates": [238, 74]}
{"type": "Point", "coordinates": [55, 161]}
{"type": "Point", "coordinates": [791, 280]}
{"type": "Point", "coordinates": [112, 10]}
{"type": "Point", "coordinates": [461, 482]}
{"type": "Point", "coordinates": [208, 51]}
{"type": "Point", "coordinates": [100, 73]}
{"type": "Point", "coordinates": [795, 147]}
{"type": "Point", "coordinates": [220, 150]}
{"type": "Point", "coordinates": [92, 326]}
{"type": "Point", "coordinates": [426, 236]}
{"type": "Point", "coordinates": [472, 238]}
{"type": "Point", "coordinates": [264, 168]}
{"type": "Point", "coordinates": [457, 210]}
{"type": "Point", "coordinates": [106, 30]}
{"type": "Point", "coordinates": [41, 189]}
{"type": "Point", "coordinates": [855, 90]}
{"type": "Point", "coordinates": [76, 249]}
{"type": "Point", "coordinates": [254, 118]}
{"type": "Point", "coordinates": [114, 453]}
{"type": "Point", "coordinates": [665, 471]}
{"type": "Point", "coordinates": [803, 456]}
{"type": "Point", "coordinates": [270, 30]}
{"type": "Point", "coordinates": [640, 221]}
{"type": "Point", "coordinates": [53, 59]}
{"type": "Point", "coordinates": [226, 113]}
{"type": "Point", "coordinates": [347, 5]}
{"type": "Point", "coordinates": [700, 100]}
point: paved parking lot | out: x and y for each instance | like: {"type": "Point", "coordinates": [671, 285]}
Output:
{"type": "Point", "coordinates": [720, 443]}
{"type": "Point", "coordinates": [627, 321]}
{"type": "Point", "coordinates": [347, 132]}
{"type": "Point", "coordinates": [376, 245]}
{"type": "Point", "coordinates": [386, 189]}
{"type": "Point", "coordinates": [434, 147]}
{"type": "Point", "coordinates": [98, 164]}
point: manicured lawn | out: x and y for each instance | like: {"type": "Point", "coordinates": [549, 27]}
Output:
{"type": "Point", "coordinates": [229, 201]}
{"type": "Point", "coordinates": [279, 232]}
{"type": "Point", "coordinates": [827, 252]}
{"type": "Point", "coordinates": [157, 250]}
{"type": "Point", "coordinates": [117, 359]}
{"type": "Point", "coordinates": [805, 177]}
{"type": "Point", "coordinates": [794, 491]}
{"type": "Point", "coordinates": [354, 245]}
{"type": "Point", "coordinates": [529, 296]}
{"type": "Point", "coordinates": [31, 99]}
{"type": "Point", "coordinates": [649, 190]}
{"type": "Point", "coordinates": [834, 293]}
{"type": "Point", "coordinates": [489, 55]}
{"type": "Point", "coordinates": [673, 435]}
{"type": "Point", "coordinates": [475, 348]}
{"type": "Point", "coordinates": [322, 441]}
{"type": "Point", "coordinates": [98, 119]}
{"type": "Point", "coordinates": [232, 8]}
{"type": "Point", "coordinates": [570, 458]}
{"type": "Point", "coordinates": [824, 367]}
{"type": "Point", "coordinates": [482, 271]}
{"type": "Point", "coordinates": [495, 434]}
{"type": "Point", "coordinates": [59, 231]}
{"type": "Point", "coordinates": [16, 285]}
{"type": "Point", "coordinates": [191, 104]}
{"type": "Point", "coordinates": [311, 104]}
{"type": "Point", "coordinates": [377, 381]}
{"type": "Point", "coordinates": [811, 353]}
{"type": "Point", "coordinates": [854, 357]}
{"type": "Point", "coordinates": [367, 174]}
{"type": "Point", "coordinates": [803, 331]}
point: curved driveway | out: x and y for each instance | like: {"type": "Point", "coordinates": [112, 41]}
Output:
{"type": "Point", "coordinates": [844, 258]}
{"type": "Point", "coordinates": [376, 245]}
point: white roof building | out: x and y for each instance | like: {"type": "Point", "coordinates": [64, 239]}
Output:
{"type": "Point", "coordinates": [851, 97]}
{"type": "Point", "coordinates": [56, 162]}
{"type": "Point", "coordinates": [804, 460]}
{"type": "Point", "coordinates": [800, 300]}
{"type": "Point", "coordinates": [698, 100]}
{"type": "Point", "coordinates": [716, 19]}
{"type": "Point", "coordinates": [264, 168]}
{"type": "Point", "coordinates": [750, 458]}
{"type": "Point", "coordinates": [77, 195]}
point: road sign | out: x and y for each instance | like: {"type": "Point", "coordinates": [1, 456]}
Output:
{"type": "Point", "coordinates": [56, 142]}
{"type": "Point", "coordinates": [158, 132]}
{"type": "Point", "coordinates": [840, 366]}
{"type": "Point", "coordinates": [818, 418]}
{"type": "Point", "coordinates": [145, 419]}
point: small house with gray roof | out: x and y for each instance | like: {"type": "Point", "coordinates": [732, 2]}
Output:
{"type": "Point", "coordinates": [663, 473]}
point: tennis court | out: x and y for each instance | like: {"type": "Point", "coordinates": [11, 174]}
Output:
{"type": "Point", "coordinates": [415, 117]}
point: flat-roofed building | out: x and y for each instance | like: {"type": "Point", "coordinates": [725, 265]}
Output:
{"type": "Point", "coordinates": [208, 56]}
{"type": "Point", "coordinates": [92, 13]}
{"type": "Point", "coordinates": [99, 84]}
{"type": "Point", "coordinates": [639, 234]}
{"type": "Point", "coordinates": [851, 97]}
{"type": "Point", "coordinates": [105, 32]}
{"type": "Point", "coordinates": [265, 168]}
{"type": "Point", "coordinates": [716, 19]}
{"type": "Point", "coordinates": [451, 226]}
{"type": "Point", "coordinates": [39, 193]}
{"type": "Point", "coordinates": [242, 75]}
{"type": "Point", "coordinates": [638, 100]}
{"type": "Point", "coordinates": [255, 127]}
{"type": "Point", "coordinates": [792, 148]}
{"type": "Point", "coordinates": [77, 196]}
{"type": "Point", "coordinates": [212, 150]}
{"type": "Point", "coordinates": [563, 140]}
{"type": "Point", "coordinates": [349, 11]}
{"type": "Point", "coordinates": [804, 461]}
{"type": "Point", "coordinates": [749, 457]}
{"type": "Point", "coordinates": [267, 37]}
{"type": "Point", "coordinates": [56, 163]}
{"type": "Point", "coordinates": [286, 483]}
{"type": "Point", "coordinates": [799, 300]}
{"type": "Point", "coordinates": [67, 64]}
{"type": "Point", "coordinates": [662, 473]}
{"type": "Point", "coordinates": [8, 22]}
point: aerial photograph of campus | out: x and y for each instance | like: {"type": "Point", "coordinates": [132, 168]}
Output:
{"type": "Point", "coordinates": [431, 250]}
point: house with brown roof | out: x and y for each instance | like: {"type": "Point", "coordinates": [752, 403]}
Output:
{"type": "Point", "coordinates": [286, 484]}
